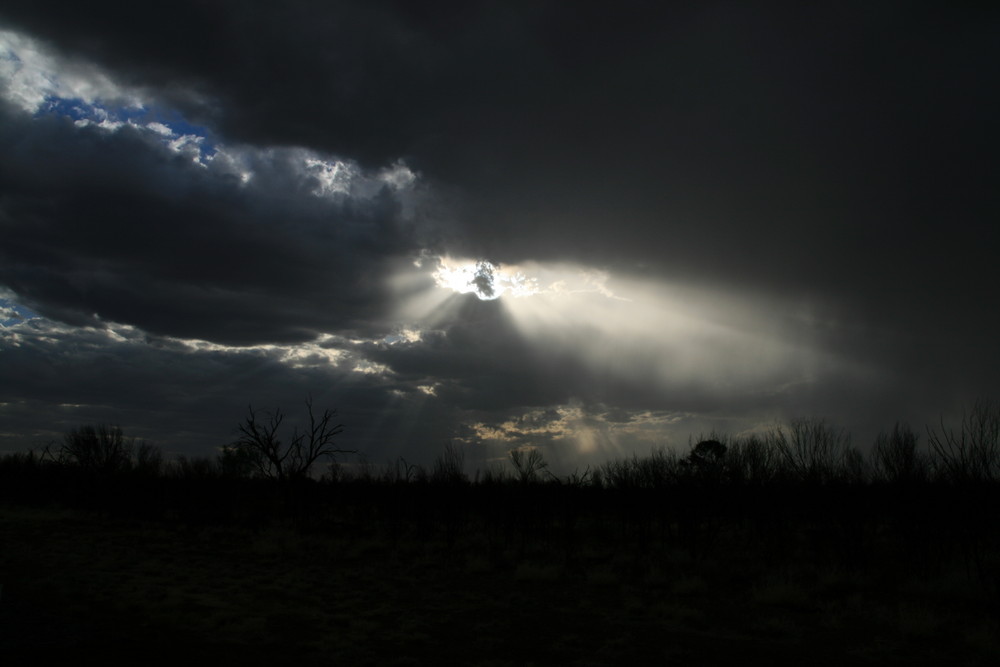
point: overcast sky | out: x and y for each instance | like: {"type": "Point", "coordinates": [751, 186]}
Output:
{"type": "Point", "coordinates": [594, 228]}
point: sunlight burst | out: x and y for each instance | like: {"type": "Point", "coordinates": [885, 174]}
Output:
{"type": "Point", "coordinates": [486, 280]}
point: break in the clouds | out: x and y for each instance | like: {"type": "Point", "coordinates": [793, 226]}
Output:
{"type": "Point", "coordinates": [586, 228]}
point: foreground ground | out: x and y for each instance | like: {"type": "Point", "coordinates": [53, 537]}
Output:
{"type": "Point", "coordinates": [80, 584]}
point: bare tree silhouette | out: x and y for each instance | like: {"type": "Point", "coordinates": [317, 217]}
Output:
{"type": "Point", "coordinates": [972, 453]}
{"type": "Point", "coordinates": [99, 448]}
{"type": "Point", "coordinates": [529, 464]}
{"type": "Point", "coordinates": [271, 458]}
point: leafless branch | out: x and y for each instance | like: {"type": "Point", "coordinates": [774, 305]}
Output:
{"type": "Point", "coordinates": [274, 459]}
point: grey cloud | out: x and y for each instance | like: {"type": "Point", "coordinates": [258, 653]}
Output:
{"type": "Point", "coordinates": [115, 224]}
{"type": "Point", "coordinates": [190, 401]}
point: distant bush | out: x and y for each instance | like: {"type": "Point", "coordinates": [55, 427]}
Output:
{"type": "Point", "coordinates": [706, 462]}
{"type": "Point", "coordinates": [148, 459]}
{"type": "Point", "coordinates": [658, 470]}
{"type": "Point", "coordinates": [753, 459]}
{"type": "Point", "coordinates": [895, 457]}
{"type": "Point", "coordinates": [812, 450]}
{"type": "Point", "coordinates": [195, 467]}
{"type": "Point", "coordinates": [449, 467]}
{"type": "Point", "coordinates": [105, 448]}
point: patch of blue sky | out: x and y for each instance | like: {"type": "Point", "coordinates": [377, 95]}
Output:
{"type": "Point", "coordinates": [82, 111]}
{"type": "Point", "coordinates": [12, 313]}
{"type": "Point", "coordinates": [74, 108]}
{"type": "Point", "coordinates": [174, 120]}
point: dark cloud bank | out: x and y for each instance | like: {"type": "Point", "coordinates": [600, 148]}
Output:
{"type": "Point", "coordinates": [818, 178]}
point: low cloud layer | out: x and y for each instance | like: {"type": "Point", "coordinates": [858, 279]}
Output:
{"type": "Point", "coordinates": [697, 217]}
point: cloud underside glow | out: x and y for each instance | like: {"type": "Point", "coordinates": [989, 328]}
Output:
{"type": "Point", "coordinates": [645, 333]}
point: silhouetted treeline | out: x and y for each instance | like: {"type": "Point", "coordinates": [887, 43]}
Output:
{"type": "Point", "coordinates": [795, 494]}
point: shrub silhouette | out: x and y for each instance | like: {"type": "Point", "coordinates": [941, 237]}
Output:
{"type": "Point", "coordinates": [656, 471]}
{"type": "Point", "coordinates": [449, 468]}
{"type": "Point", "coordinates": [894, 457]}
{"type": "Point", "coordinates": [101, 448]}
{"type": "Point", "coordinates": [196, 467]}
{"type": "Point", "coordinates": [706, 460]}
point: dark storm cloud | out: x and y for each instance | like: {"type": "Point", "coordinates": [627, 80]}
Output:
{"type": "Point", "coordinates": [118, 225]}
{"type": "Point", "coordinates": [827, 168]}
{"type": "Point", "coordinates": [366, 79]}
{"type": "Point", "coordinates": [838, 150]}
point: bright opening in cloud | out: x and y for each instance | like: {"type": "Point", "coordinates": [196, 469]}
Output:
{"type": "Point", "coordinates": [486, 280]}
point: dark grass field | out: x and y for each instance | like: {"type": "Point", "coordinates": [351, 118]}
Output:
{"type": "Point", "coordinates": [80, 583]}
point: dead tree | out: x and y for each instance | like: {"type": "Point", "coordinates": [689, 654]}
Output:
{"type": "Point", "coordinates": [272, 458]}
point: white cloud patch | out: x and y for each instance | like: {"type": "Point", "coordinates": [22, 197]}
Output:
{"type": "Point", "coordinates": [371, 368]}
{"type": "Point", "coordinates": [403, 337]}
{"type": "Point", "coordinates": [326, 352]}
{"type": "Point", "coordinates": [336, 177]}
{"type": "Point", "coordinates": [186, 143]}
{"type": "Point", "coordinates": [317, 354]}
{"type": "Point", "coordinates": [160, 129]}
{"type": "Point", "coordinates": [30, 76]}
{"type": "Point", "coordinates": [333, 176]}
{"type": "Point", "coordinates": [398, 176]}
{"type": "Point", "coordinates": [573, 431]}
